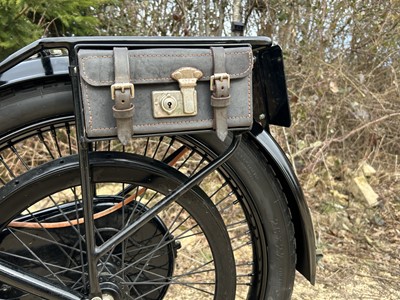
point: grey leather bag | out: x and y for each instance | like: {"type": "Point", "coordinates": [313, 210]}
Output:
{"type": "Point", "coordinates": [164, 91]}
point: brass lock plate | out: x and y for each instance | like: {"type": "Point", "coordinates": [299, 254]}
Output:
{"type": "Point", "coordinates": [182, 103]}
{"type": "Point", "coordinates": [169, 104]}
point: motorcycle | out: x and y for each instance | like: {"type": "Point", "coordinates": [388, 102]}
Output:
{"type": "Point", "coordinates": [166, 214]}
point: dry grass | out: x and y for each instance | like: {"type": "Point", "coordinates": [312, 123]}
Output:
{"type": "Point", "coordinates": [346, 114]}
{"type": "Point", "coordinates": [360, 248]}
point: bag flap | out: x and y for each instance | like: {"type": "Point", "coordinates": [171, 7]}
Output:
{"type": "Point", "coordinates": [149, 66]}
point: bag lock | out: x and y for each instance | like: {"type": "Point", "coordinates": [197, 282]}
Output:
{"type": "Point", "coordinates": [182, 103]}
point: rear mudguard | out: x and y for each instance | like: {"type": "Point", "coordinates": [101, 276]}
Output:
{"type": "Point", "coordinates": [304, 230]}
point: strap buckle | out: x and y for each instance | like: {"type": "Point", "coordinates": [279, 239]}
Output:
{"type": "Point", "coordinates": [220, 77]}
{"type": "Point", "coordinates": [122, 87]}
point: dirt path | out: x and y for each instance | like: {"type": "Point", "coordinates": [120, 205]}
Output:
{"type": "Point", "coordinates": [360, 244]}
{"type": "Point", "coordinates": [341, 276]}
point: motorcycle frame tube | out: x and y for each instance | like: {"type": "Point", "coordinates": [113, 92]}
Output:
{"type": "Point", "coordinates": [86, 185]}
{"type": "Point", "coordinates": [28, 283]}
{"type": "Point", "coordinates": [153, 211]}
{"type": "Point", "coordinates": [94, 252]}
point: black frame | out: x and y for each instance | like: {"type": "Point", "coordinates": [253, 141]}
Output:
{"type": "Point", "coordinates": [70, 43]}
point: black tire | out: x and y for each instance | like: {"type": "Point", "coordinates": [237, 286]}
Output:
{"type": "Point", "coordinates": [267, 234]}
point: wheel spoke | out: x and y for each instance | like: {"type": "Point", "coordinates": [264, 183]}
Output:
{"type": "Point", "coordinates": [9, 170]}
{"type": "Point", "coordinates": [42, 139]}
{"type": "Point", "coordinates": [15, 151]}
{"type": "Point", "coordinates": [38, 259]}
{"type": "Point", "coordinates": [55, 140]}
{"type": "Point", "coordinates": [34, 260]}
{"type": "Point", "coordinates": [51, 241]}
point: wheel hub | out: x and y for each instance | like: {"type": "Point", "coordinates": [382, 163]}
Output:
{"type": "Point", "coordinates": [114, 290]}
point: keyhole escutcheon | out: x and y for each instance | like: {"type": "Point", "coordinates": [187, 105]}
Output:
{"type": "Point", "coordinates": [169, 104]}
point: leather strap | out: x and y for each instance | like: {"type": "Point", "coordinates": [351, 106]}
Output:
{"type": "Point", "coordinates": [220, 97]}
{"type": "Point", "coordinates": [122, 92]}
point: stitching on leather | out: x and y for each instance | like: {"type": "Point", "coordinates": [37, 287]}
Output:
{"type": "Point", "coordinates": [90, 125]}
{"type": "Point", "coordinates": [83, 62]}
{"type": "Point", "coordinates": [85, 87]}
{"type": "Point", "coordinates": [167, 79]}
{"type": "Point", "coordinates": [171, 123]}
{"type": "Point", "coordinates": [249, 98]}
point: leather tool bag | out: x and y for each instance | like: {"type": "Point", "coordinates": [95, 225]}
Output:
{"type": "Point", "coordinates": [164, 91]}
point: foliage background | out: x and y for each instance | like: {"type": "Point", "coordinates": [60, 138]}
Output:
{"type": "Point", "coordinates": [342, 65]}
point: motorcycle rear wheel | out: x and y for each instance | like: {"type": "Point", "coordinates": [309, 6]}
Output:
{"type": "Point", "coordinates": [38, 127]}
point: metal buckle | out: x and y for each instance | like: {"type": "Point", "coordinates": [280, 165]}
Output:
{"type": "Point", "coordinates": [221, 77]}
{"type": "Point", "coordinates": [122, 87]}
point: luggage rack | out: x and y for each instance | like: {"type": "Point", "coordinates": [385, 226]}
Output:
{"type": "Point", "coordinates": [73, 45]}
{"type": "Point", "coordinates": [70, 43]}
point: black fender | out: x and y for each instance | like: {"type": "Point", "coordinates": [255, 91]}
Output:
{"type": "Point", "coordinates": [44, 68]}
{"type": "Point", "coordinates": [301, 217]}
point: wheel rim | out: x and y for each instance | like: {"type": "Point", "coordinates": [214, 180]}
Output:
{"type": "Point", "coordinates": [56, 138]}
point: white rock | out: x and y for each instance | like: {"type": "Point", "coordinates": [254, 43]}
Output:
{"type": "Point", "coordinates": [361, 189]}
